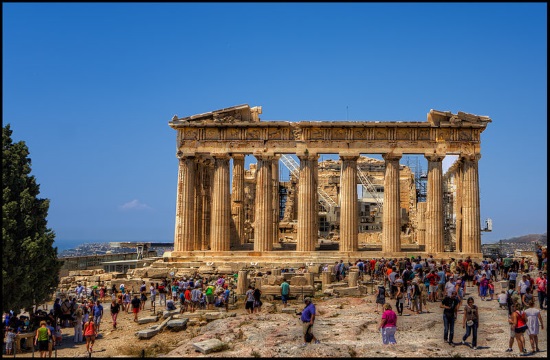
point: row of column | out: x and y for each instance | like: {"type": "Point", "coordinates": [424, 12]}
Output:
{"type": "Point", "coordinates": [209, 216]}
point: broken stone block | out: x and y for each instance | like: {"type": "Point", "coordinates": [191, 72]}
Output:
{"type": "Point", "coordinates": [298, 281]}
{"type": "Point", "coordinates": [212, 316]}
{"type": "Point", "coordinates": [350, 291]}
{"type": "Point", "coordinates": [177, 324]}
{"type": "Point", "coordinates": [147, 333]}
{"type": "Point", "coordinates": [208, 346]}
{"type": "Point", "coordinates": [167, 313]}
{"type": "Point", "coordinates": [148, 319]}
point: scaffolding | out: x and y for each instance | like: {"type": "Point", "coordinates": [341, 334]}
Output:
{"type": "Point", "coordinates": [420, 177]}
{"type": "Point", "coordinates": [326, 201]}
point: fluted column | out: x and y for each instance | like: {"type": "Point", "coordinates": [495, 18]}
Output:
{"type": "Point", "coordinates": [421, 223]}
{"type": "Point", "coordinates": [184, 232]}
{"type": "Point", "coordinates": [458, 204]}
{"type": "Point", "coordinates": [221, 205]}
{"type": "Point", "coordinates": [275, 177]}
{"type": "Point", "coordinates": [263, 214]}
{"type": "Point", "coordinates": [471, 223]}
{"type": "Point", "coordinates": [197, 223]}
{"type": "Point", "coordinates": [237, 200]}
{"type": "Point", "coordinates": [207, 175]}
{"type": "Point", "coordinates": [308, 214]}
{"type": "Point", "coordinates": [348, 205]}
{"type": "Point", "coordinates": [434, 205]}
{"type": "Point", "coordinates": [391, 219]}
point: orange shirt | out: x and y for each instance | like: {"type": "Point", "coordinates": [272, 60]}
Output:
{"type": "Point", "coordinates": [388, 272]}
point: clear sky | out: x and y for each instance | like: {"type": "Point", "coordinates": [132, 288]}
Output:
{"type": "Point", "coordinates": [91, 87]}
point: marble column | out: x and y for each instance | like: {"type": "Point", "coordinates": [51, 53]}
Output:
{"type": "Point", "coordinates": [197, 224]}
{"type": "Point", "coordinates": [434, 205]}
{"type": "Point", "coordinates": [421, 223]}
{"type": "Point", "coordinates": [207, 175]}
{"type": "Point", "coordinates": [221, 205]}
{"type": "Point", "coordinates": [471, 223]}
{"type": "Point", "coordinates": [457, 206]}
{"type": "Point", "coordinates": [275, 176]}
{"type": "Point", "coordinates": [237, 200]}
{"type": "Point", "coordinates": [184, 232]}
{"type": "Point", "coordinates": [308, 214]}
{"type": "Point", "coordinates": [348, 206]}
{"type": "Point", "coordinates": [263, 212]}
{"type": "Point", "coordinates": [391, 217]}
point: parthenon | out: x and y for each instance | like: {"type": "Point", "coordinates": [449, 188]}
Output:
{"type": "Point", "coordinates": [214, 219]}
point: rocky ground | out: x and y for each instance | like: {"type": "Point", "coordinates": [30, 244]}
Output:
{"type": "Point", "coordinates": [346, 327]}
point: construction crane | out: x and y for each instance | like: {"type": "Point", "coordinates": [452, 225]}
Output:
{"type": "Point", "coordinates": [293, 167]}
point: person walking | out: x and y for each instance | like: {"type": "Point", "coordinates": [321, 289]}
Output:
{"type": "Point", "coordinates": [450, 306]}
{"type": "Point", "coordinates": [249, 304]}
{"type": "Point", "coordinates": [78, 335]}
{"type": "Point", "coordinates": [90, 334]}
{"type": "Point", "coordinates": [380, 296]}
{"type": "Point", "coordinates": [136, 302]}
{"type": "Point", "coordinates": [388, 325]}
{"type": "Point", "coordinates": [153, 293]}
{"type": "Point", "coordinates": [400, 297]}
{"type": "Point", "coordinates": [98, 314]}
{"type": "Point", "coordinates": [41, 339]}
{"type": "Point", "coordinates": [470, 321]}
{"type": "Point", "coordinates": [257, 300]}
{"type": "Point", "coordinates": [115, 309]}
{"type": "Point", "coordinates": [534, 321]}
{"type": "Point", "coordinates": [285, 291]}
{"type": "Point", "coordinates": [519, 320]}
{"type": "Point", "coordinates": [308, 319]}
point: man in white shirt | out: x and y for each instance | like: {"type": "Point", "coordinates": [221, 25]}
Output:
{"type": "Point", "coordinates": [450, 286]}
{"type": "Point", "coordinates": [523, 284]}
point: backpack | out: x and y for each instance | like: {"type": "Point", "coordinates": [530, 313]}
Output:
{"type": "Point", "coordinates": [509, 296]}
{"type": "Point", "coordinates": [416, 290]}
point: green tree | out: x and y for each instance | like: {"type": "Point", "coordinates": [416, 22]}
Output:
{"type": "Point", "coordinates": [30, 267]}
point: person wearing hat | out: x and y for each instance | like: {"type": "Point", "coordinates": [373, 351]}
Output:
{"type": "Point", "coordinates": [308, 318]}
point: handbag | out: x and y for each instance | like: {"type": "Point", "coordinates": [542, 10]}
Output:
{"type": "Point", "coordinates": [470, 322]}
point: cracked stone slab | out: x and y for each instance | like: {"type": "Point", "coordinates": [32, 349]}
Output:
{"type": "Point", "coordinates": [208, 346]}
{"type": "Point", "coordinates": [148, 319]}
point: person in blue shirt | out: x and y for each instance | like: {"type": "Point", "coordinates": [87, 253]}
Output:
{"type": "Point", "coordinates": [441, 285]}
{"type": "Point", "coordinates": [308, 318]}
{"type": "Point", "coordinates": [98, 314]}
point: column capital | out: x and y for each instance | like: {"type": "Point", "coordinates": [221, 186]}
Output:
{"type": "Point", "coordinates": [348, 157]}
{"type": "Point", "coordinates": [434, 157]}
{"type": "Point", "coordinates": [309, 156]}
{"type": "Point", "coordinates": [391, 156]}
{"type": "Point", "coordinates": [470, 157]}
{"type": "Point", "coordinates": [182, 155]}
{"type": "Point", "coordinates": [220, 156]}
{"type": "Point", "coordinates": [264, 157]}
{"type": "Point", "coordinates": [238, 156]}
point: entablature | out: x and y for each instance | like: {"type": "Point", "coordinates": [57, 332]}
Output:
{"type": "Point", "coordinates": [443, 133]}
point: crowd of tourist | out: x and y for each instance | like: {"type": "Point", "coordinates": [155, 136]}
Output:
{"type": "Point", "coordinates": [416, 285]}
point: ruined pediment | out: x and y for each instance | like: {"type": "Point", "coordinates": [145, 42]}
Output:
{"type": "Point", "coordinates": [234, 114]}
{"type": "Point", "coordinates": [437, 118]}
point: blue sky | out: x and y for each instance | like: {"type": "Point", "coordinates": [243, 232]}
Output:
{"type": "Point", "coordinates": [91, 87]}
